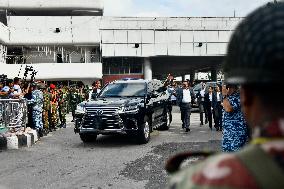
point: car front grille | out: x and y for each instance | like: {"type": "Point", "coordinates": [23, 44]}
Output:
{"type": "Point", "coordinates": [102, 118]}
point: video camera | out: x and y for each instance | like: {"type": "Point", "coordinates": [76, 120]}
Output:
{"type": "Point", "coordinates": [33, 73]}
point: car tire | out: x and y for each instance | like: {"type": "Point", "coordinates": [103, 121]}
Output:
{"type": "Point", "coordinates": [168, 120]}
{"type": "Point", "coordinates": [143, 133]}
{"type": "Point", "coordinates": [86, 138]}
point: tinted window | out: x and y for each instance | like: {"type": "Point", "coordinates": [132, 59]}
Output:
{"type": "Point", "coordinates": [124, 90]}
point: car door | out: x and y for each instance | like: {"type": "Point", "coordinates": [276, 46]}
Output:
{"type": "Point", "coordinates": [159, 101]}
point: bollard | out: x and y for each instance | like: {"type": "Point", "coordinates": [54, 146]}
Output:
{"type": "Point", "coordinates": [12, 143]}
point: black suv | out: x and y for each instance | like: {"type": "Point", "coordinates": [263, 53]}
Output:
{"type": "Point", "coordinates": [133, 107]}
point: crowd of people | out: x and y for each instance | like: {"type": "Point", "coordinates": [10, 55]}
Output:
{"type": "Point", "coordinates": [47, 104]}
{"type": "Point", "coordinates": [253, 64]}
{"type": "Point", "coordinates": [218, 103]}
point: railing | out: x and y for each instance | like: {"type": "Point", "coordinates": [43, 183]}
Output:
{"type": "Point", "coordinates": [13, 114]}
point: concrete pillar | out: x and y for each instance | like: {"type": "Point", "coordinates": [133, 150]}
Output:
{"type": "Point", "coordinates": [147, 69]}
{"type": "Point", "coordinates": [214, 74]}
{"type": "Point", "coordinates": [3, 17]}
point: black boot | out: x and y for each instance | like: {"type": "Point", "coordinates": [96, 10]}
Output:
{"type": "Point", "coordinates": [40, 132]}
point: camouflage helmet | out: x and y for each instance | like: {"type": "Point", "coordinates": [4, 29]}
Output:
{"type": "Point", "coordinates": [255, 52]}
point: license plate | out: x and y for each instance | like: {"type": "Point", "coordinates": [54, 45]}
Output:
{"type": "Point", "coordinates": [98, 123]}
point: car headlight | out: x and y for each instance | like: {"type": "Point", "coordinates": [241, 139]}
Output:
{"type": "Point", "coordinates": [129, 109]}
{"type": "Point", "coordinates": [80, 109]}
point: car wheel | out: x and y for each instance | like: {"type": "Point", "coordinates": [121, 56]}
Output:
{"type": "Point", "coordinates": [144, 132]}
{"type": "Point", "coordinates": [168, 120]}
{"type": "Point", "coordinates": [86, 138]}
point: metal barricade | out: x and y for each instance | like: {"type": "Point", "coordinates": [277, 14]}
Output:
{"type": "Point", "coordinates": [13, 113]}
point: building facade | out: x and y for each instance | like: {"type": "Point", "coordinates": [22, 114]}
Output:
{"type": "Point", "coordinates": [72, 40]}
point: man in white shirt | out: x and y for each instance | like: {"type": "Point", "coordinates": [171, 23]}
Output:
{"type": "Point", "coordinates": [185, 96]}
{"type": "Point", "coordinates": [217, 108]}
{"type": "Point", "coordinates": [200, 99]}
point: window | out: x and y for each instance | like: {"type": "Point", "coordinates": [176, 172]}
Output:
{"type": "Point", "coordinates": [122, 66]}
{"type": "Point", "coordinates": [59, 58]}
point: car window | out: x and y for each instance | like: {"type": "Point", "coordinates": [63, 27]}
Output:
{"type": "Point", "coordinates": [123, 90]}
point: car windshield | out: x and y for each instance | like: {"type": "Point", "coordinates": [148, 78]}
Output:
{"type": "Point", "coordinates": [124, 90]}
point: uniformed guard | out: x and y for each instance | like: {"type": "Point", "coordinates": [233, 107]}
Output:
{"type": "Point", "coordinates": [255, 61]}
{"type": "Point", "coordinates": [67, 90]}
{"type": "Point", "coordinates": [37, 108]}
{"type": "Point", "coordinates": [62, 107]}
{"type": "Point", "coordinates": [74, 100]}
{"type": "Point", "coordinates": [54, 107]}
{"type": "Point", "coordinates": [46, 109]}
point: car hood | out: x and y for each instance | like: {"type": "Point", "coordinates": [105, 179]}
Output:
{"type": "Point", "coordinates": [114, 102]}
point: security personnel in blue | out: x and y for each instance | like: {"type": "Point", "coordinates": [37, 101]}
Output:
{"type": "Point", "coordinates": [255, 61]}
{"type": "Point", "coordinates": [185, 97]}
{"type": "Point", "coordinates": [37, 108]}
{"type": "Point", "coordinates": [235, 129]}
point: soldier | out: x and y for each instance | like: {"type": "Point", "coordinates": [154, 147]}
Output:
{"type": "Point", "coordinates": [255, 60]}
{"type": "Point", "coordinates": [74, 100]}
{"type": "Point", "coordinates": [67, 90]}
{"type": "Point", "coordinates": [37, 107]}
{"type": "Point", "coordinates": [81, 94]}
{"type": "Point", "coordinates": [54, 106]}
{"type": "Point", "coordinates": [46, 109]}
{"type": "Point", "coordinates": [62, 106]}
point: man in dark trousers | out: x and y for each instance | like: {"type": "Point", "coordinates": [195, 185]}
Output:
{"type": "Point", "coordinates": [201, 103]}
{"type": "Point", "coordinates": [217, 107]}
{"type": "Point", "coordinates": [208, 105]}
{"type": "Point", "coordinates": [185, 97]}
{"type": "Point", "coordinates": [255, 61]}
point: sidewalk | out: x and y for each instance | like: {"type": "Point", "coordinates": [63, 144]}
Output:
{"type": "Point", "coordinates": [14, 141]}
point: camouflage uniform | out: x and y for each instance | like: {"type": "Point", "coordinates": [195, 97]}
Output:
{"type": "Point", "coordinates": [37, 102]}
{"type": "Point", "coordinates": [255, 61]}
{"type": "Point", "coordinates": [62, 107]}
{"type": "Point", "coordinates": [81, 95]}
{"type": "Point", "coordinates": [46, 109]}
{"type": "Point", "coordinates": [74, 100]}
{"type": "Point", "coordinates": [244, 169]}
{"type": "Point", "coordinates": [54, 106]}
{"type": "Point", "coordinates": [67, 91]}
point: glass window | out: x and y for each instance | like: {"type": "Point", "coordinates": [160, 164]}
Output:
{"type": "Point", "coordinates": [124, 90]}
{"type": "Point", "coordinates": [136, 68]}
{"type": "Point", "coordinates": [122, 66]}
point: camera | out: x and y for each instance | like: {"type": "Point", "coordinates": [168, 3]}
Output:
{"type": "Point", "coordinates": [33, 73]}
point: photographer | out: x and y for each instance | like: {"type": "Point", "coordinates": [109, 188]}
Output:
{"type": "Point", "coordinates": [17, 87]}
{"type": "Point", "coordinates": [4, 91]}
{"type": "Point", "coordinates": [4, 86]}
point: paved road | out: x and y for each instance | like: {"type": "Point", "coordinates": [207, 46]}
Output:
{"type": "Point", "coordinates": [60, 160]}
